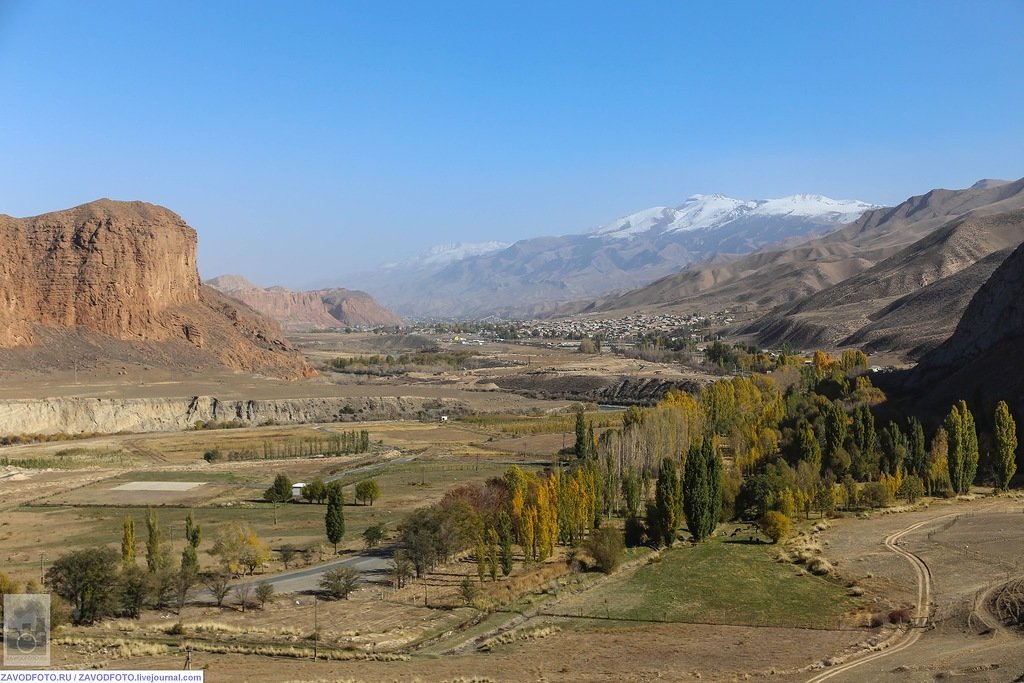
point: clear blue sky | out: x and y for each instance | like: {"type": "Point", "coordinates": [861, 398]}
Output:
{"type": "Point", "coordinates": [308, 140]}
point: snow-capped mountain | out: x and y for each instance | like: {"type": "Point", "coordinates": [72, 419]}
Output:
{"type": "Point", "coordinates": [443, 254]}
{"type": "Point", "coordinates": [709, 212]}
{"type": "Point", "coordinates": [533, 274]}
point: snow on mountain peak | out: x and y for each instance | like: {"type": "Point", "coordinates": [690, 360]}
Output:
{"type": "Point", "coordinates": [448, 253]}
{"type": "Point", "coordinates": [710, 211]}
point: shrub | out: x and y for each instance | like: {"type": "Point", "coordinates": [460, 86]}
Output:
{"type": "Point", "coordinates": [775, 525]}
{"type": "Point", "coordinates": [606, 546]}
{"type": "Point", "coordinates": [874, 494]}
{"type": "Point", "coordinates": [636, 532]}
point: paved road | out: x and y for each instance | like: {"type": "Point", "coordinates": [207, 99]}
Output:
{"type": "Point", "coordinates": [372, 564]}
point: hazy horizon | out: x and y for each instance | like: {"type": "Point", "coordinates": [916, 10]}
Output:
{"type": "Point", "coordinates": [308, 145]}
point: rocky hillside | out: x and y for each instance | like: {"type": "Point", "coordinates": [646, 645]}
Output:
{"type": "Point", "coordinates": [315, 310]}
{"type": "Point", "coordinates": [779, 276]}
{"type": "Point", "coordinates": [896, 279]}
{"type": "Point", "coordinates": [123, 274]}
{"type": "Point", "coordinates": [979, 361]}
{"type": "Point", "coordinates": [909, 302]}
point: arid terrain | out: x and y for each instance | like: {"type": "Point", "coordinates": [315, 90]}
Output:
{"type": "Point", "coordinates": [652, 619]}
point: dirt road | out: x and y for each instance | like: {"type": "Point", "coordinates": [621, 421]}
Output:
{"type": "Point", "coordinates": [957, 553]}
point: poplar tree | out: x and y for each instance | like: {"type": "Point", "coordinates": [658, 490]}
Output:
{"type": "Point", "coordinates": [916, 458]}
{"type": "Point", "coordinates": [128, 542]}
{"type": "Point", "coordinates": [156, 549]}
{"type": "Point", "coordinates": [702, 489]}
{"type": "Point", "coordinates": [1006, 446]}
{"type": "Point", "coordinates": [335, 517]}
{"type": "Point", "coordinates": [581, 450]}
{"type": "Point", "coordinates": [667, 502]}
{"type": "Point", "coordinates": [962, 459]}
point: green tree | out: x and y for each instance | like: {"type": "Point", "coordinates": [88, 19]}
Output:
{"type": "Point", "coordinates": [85, 578]}
{"type": "Point", "coordinates": [962, 458]}
{"type": "Point", "coordinates": [916, 456]}
{"type": "Point", "coordinates": [664, 515]}
{"type": "Point", "coordinates": [158, 555]}
{"type": "Point", "coordinates": [374, 534]}
{"type": "Point", "coordinates": [128, 541]}
{"type": "Point", "coordinates": [580, 449]}
{"type": "Point", "coordinates": [264, 593]}
{"type": "Point", "coordinates": [278, 492]}
{"type": "Point", "coordinates": [315, 491]}
{"type": "Point", "coordinates": [505, 541]}
{"type": "Point", "coordinates": [339, 583]}
{"type": "Point", "coordinates": [335, 518]}
{"type": "Point", "coordinates": [835, 430]}
{"type": "Point", "coordinates": [809, 446]}
{"type": "Point", "coordinates": [894, 448]}
{"type": "Point", "coordinates": [367, 491]}
{"type": "Point", "coordinates": [702, 489]}
{"type": "Point", "coordinates": [631, 491]}
{"type": "Point", "coordinates": [1006, 446]}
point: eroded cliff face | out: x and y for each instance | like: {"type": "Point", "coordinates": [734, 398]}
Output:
{"type": "Point", "coordinates": [110, 267]}
{"type": "Point", "coordinates": [125, 271]}
{"type": "Point", "coordinates": [111, 415]}
{"type": "Point", "coordinates": [321, 309]}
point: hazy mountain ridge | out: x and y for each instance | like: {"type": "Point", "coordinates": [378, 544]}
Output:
{"type": "Point", "coordinates": [307, 310]}
{"type": "Point", "coordinates": [544, 272]}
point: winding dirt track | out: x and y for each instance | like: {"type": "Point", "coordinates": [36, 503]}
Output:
{"type": "Point", "coordinates": [922, 612]}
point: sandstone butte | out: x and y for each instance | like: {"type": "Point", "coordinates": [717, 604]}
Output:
{"type": "Point", "coordinates": [321, 309]}
{"type": "Point", "coordinates": [126, 271]}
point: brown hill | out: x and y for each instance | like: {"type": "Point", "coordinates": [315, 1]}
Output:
{"type": "Point", "coordinates": [314, 310]}
{"type": "Point", "coordinates": [903, 303]}
{"type": "Point", "coordinates": [979, 361]}
{"type": "Point", "coordinates": [123, 275]}
{"type": "Point", "coordinates": [778, 276]}
{"type": "Point", "coordinates": [320, 309]}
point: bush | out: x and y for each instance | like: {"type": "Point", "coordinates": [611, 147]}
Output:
{"type": "Point", "coordinates": [606, 546]}
{"type": "Point", "coordinates": [338, 583]}
{"type": "Point", "coordinates": [213, 455]}
{"type": "Point", "coordinates": [911, 489]}
{"type": "Point", "coordinates": [875, 495]}
{"type": "Point", "coordinates": [636, 532]}
{"type": "Point", "coordinates": [775, 525]}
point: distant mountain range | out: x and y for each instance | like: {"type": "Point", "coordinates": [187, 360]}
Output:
{"type": "Point", "coordinates": [536, 275]}
{"type": "Point", "coordinates": [321, 309]}
{"type": "Point", "coordinates": [896, 279]}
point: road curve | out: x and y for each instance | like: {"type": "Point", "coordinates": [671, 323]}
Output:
{"type": "Point", "coordinates": [922, 611]}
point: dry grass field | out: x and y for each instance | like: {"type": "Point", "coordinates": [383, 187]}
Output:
{"type": "Point", "coordinates": [719, 611]}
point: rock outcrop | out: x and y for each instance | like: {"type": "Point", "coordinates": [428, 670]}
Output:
{"type": "Point", "coordinates": [111, 415]}
{"type": "Point", "coordinates": [979, 361]}
{"type": "Point", "coordinates": [126, 272]}
{"type": "Point", "coordinates": [321, 309]}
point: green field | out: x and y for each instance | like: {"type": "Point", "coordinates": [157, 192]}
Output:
{"type": "Point", "coordinates": [717, 582]}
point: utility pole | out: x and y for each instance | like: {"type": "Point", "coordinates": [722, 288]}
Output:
{"type": "Point", "coordinates": [42, 558]}
{"type": "Point", "coordinates": [316, 630]}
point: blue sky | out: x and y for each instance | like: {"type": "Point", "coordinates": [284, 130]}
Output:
{"type": "Point", "coordinates": [306, 141]}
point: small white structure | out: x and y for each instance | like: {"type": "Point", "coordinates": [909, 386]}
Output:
{"type": "Point", "coordinates": [297, 489]}
{"type": "Point", "coordinates": [444, 418]}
